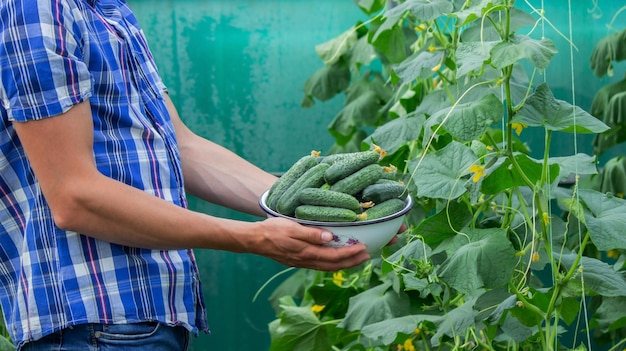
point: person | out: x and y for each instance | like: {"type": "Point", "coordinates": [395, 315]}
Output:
{"type": "Point", "coordinates": [96, 237]}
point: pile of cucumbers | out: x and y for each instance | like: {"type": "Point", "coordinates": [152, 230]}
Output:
{"type": "Point", "coordinates": [343, 187]}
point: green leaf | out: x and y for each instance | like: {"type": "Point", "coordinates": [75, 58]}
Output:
{"type": "Point", "coordinates": [387, 330]}
{"type": "Point", "coordinates": [475, 10]}
{"type": "Point", "coordinates": [419, 65]}
{"type": "Point", "coordinates": [506, 177]}
{"type": "Point", "coordinates": [374, 305]}
{"type": "Point", "coordinates": [298, 329]}
{"type": "Point", "coordinates": [326, 83]}
{"type": "Point", "coordinates": [487, 260]}
{"type": "Point", "coordinates": [538, 52]}
{"type": "Point", "coordinates": [605, 217]}
{"type": "Point", "coordinates": [362, 54]}
{"type": "Point", "coordinates": [370, 6]}
{"type": "Point", "coordinates": [444, 224]}
{"type": "Point", "coordinates": [359, 112]}
{"type": "Point", "coordinates": [423, 10]}
{"type": "Point", "coordinates": [455, 323]}
{"type": "Point", "coordinates": [578, 164]}
{"type": "Point", "coordinates": [331, 51]}
{"type": "Point", "coordinates": [610, 314]}
{"type": "Point", "coordinates": [469, 121]}
{"type": "Point", "coordinates": [513, 329]}
{"type": "Point", "coordinates": [598, 277]}
{"type": "Point", "coordinates": [440, 174]}
{"type": "Point", "coordinates": [542, 109]}
{"type": "Point", "coordinates": [396, 133]}
{"type": "Point", "coordinates": [391, 43]}
{"type": "Point", "coordinates": [470, 56]}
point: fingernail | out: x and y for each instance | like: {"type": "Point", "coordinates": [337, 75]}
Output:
{"type": "Point", "coordinates": [327, 236]}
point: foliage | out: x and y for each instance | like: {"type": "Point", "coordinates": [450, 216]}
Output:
{"type": "Point", "coordinates": [503, 251]}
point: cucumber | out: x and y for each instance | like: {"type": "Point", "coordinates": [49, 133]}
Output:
{"type": "Point", "coordinates": [312, 178]}
{"type": "Point", "coordinates": [384, 190]}
{"type": "Point", "coordinates": [357, 181]}
{"type": "Point", "coordinates": [323, 197]}
{"type": "Point", "coordinates": [382, 209]}
{"type": "Point", "coordinates": [325, 213]}
{"type": "Point", "coordinates": [346, 166]}
{"type": "Point", "coordinates": [288, 178]}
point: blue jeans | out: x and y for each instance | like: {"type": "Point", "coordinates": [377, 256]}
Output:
{"type": "Point", "coordinates": [152, 336]}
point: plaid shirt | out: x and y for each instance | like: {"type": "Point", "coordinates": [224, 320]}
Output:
{"type": "Point", "coordinates": [54, 54]}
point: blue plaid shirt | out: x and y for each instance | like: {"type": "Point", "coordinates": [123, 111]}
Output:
{"type": "Point", "coordinates": [53, 55]}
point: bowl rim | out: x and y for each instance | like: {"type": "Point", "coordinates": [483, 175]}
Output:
{"type": "Point", "coordinates": [408, 201]}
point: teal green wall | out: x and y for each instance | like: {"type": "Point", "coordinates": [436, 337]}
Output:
{"type": "Point", "coordinates": [235, 70]}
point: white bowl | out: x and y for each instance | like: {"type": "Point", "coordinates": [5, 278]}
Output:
{"type": "Point", "coordinates": [374, 233]}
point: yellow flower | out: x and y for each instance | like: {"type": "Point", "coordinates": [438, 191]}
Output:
{"type": "Point", "coordinates": [436, 68]}
{"type": "Point", "coordinates": [620, 195]}
{"type": "Point", "coordinates": [338, 278]}
{"type": "Point", "coordinates": [535, 256]}
{"type": "Point", "coordinates": [612, 254]}
{"type": "Point", "coordinates": [431, 48]}
{"type": "Point", "coordinates": [317, 308]}
{"type": "Point", "coordinates": [479, 172]}
{"type": "Point", "coordinates": [408, 345]}
{"type": "Point", "coordinates": [315, 153]}
{"type": "Point", "coordinates": [489, 147]}
{"type": "Point", "coordinates": [417, 331]}
{"type": "Point", "coordinates": [518, 127]}
{"type": "Point", "coordinates": [421, 27]}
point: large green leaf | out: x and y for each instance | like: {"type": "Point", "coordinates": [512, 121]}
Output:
{"type": "Point", "coordinates": [298, 329]}
{"type": "Point", "coordinates": [605, 217]}
{"type": "Point", "coordinates": [387, 330]}
{"type": "Point", "coordinates": [597, 277]}
{"type": "Point", "coordinates": [578, 164]}
{"type": "Point", "coordinates": [326, 83]}
{"type": "Point", "coordinates": [469, 121]}
{"type": "Point", "coordinates": [455, 322]}
{"type": "Point", "coordinates": [543, 109]}
{"type": "Point", "coordinates": [486, 259]}
{"type": "Point", "coordinates": [504, 176]}
{"type": "Point", "coordinates": [610, 315]}
{"type": "Point", "coordinates": [519, 47]}
{"type": "Point", "coordinates": [470, 56]}
{"type": "Point", "coordinates": [445, 223]}
{"type": "Point", "coordinates": [475, 10]}
{"type": "Point", "coordinates": [391, 43]}
{"type": "Point", "coordinates": [362, 111]}
{"type": "Point", "coordinates": [423, 10]}
{"type": "Point", "coordinates": [396, 133]}
{"type": "Point", "coordinates": [441, 174]}
{"type": "Point", "coordinates": [331, 51]}
{"type": "Point", "coordinates": [419, 65]}
{"type": "Point", "coordinates": [374, 305]}
{"type": "Point", "coordinates": [370, 6]}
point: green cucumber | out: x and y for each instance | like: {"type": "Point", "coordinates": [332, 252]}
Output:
{"type": "Point", "coordinates": [382, 209]}
{"type": "Point", "coordinates": [346, 166]}
{"type": "Point", "coordinates": [384, 190]}
{"type": "Point", "coordinates": [325, 213]}
{"type": "Point", "coordinates": [288, 178]}
{"type": "Point", "coordinates": [312, 178]}
{"type": "Point", "coordinates": [323, 197]}
{"type": "Point", "coordinates": [357, 181]}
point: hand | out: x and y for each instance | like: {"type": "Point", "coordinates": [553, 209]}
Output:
{"type": "Point", "coordinates": [296, 245]}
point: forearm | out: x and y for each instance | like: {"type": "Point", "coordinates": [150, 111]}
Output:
{"type": "Point", "coordinates": [112, 211]}
{"type": "Point", "coordinates": [217, 175]}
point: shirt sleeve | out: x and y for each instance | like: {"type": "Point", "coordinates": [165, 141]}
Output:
{"type": "Point", "coordinates": [42, 73]}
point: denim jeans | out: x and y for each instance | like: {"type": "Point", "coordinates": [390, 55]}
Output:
{"type": "Point", "coordinates": [152, 336]}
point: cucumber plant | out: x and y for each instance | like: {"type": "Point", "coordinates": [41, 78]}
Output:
{"type": "Point", "coordinates": [508, 248]}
